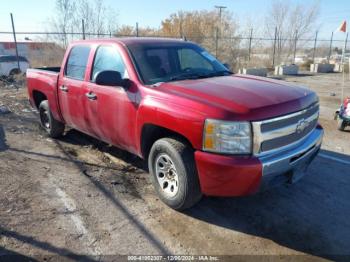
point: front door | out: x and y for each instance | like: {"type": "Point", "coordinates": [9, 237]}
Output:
{"type": "Point", "coordinates": [111, 113]}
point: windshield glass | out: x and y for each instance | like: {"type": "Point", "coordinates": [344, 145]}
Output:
{"type": "Point", "coordinates": [171, 62]}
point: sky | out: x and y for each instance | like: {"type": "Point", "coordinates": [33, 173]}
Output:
{"type": "Point", "coordinates": [32, 15]}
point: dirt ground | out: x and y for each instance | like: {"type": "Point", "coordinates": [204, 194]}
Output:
{"type": "Point", "coordinates": [76, 198]}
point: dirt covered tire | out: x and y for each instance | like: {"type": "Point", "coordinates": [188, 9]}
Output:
{"type": "Point", "coordinates": [172, 166]}
{"type": "Point", "coordinates": [341, 124]}
{"type": "Point", "coordinates": [53, 127]}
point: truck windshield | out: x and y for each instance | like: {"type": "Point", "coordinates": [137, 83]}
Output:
{"type": "Point", "coordinates": [173, 62]}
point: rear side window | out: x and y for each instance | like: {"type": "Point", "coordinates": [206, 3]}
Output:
{"type": "Point", "coordinates": [108, 58]}
{"type": "Point", "coordinates": [77, 62]}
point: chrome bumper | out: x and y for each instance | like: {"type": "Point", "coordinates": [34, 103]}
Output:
{"type": "Point", "coordinates": [289, 165]}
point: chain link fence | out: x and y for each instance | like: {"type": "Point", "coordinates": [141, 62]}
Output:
{"type": "Point", "coordinates": [47, 48]}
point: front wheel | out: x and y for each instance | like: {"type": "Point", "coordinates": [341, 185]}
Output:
{"type": "Point", "coordinates": [172, 166]}
{"type": "Point", "coordinates": [53, 127]}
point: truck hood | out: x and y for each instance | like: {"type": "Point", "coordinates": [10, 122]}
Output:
{"type": "Point", "coordinates": [248, 97]}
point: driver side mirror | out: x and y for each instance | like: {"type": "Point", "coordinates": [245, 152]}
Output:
{"type": "Point", "coordinates": [111, 78]}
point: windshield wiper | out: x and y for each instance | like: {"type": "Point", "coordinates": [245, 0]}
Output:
{"type": "Point", "coordinates": [185, 76]}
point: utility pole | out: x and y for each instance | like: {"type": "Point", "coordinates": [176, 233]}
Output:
{"type": "Point", "coordinates": [330, 49]}
{"type": "Point", "coordinates": [295, 45]}
{"type": "Point", "coordinates": [220, 7]}
{"type": "Point", "coordinates": [15, 40]}
{"type": "Point", "coordinates": [274, 48]}
{"type": "Point", "coordinates": [83, 27]}
{"type": "Point", "coordinates": [250, 43]}
{"type": "Point", "coordinates": [315, 45]}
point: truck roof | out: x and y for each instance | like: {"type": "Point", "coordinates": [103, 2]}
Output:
{"type": "Point", "coordinates": [133, 40]}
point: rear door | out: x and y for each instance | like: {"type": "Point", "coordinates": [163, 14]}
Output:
{"type": "Point", "coordinates": [72, 87]}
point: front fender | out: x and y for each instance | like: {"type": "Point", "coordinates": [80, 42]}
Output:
{"type": "Point", "coordinates": [177, 118]}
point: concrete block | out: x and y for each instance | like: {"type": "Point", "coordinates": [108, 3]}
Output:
{"type": "Point", "coordinates": [322, 68]}
{"type": "Point", "coordinates": [254, 71]}
{"type": "Point", "coordinates": [338, 67]}
{"type": "Point", "coordinates": [286, 70]}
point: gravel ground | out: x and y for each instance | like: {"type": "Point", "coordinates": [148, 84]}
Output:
{"type": "Point", "coordinates": [76, 198]}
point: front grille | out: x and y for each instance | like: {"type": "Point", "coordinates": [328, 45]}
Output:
{"type": "Point", "coordinates": [269, 126]}
{"type": "Point", "coordinates": [282, 131]}
{"type": "Point", "coordinates": [288, 139]}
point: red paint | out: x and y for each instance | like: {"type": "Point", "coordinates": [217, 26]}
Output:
{"type": "Point", "coordinates": [346, 102]}
{"type": "Point", "coordinates": [118, 115]}
{"type": "Point", "coordinates": [226, 175]}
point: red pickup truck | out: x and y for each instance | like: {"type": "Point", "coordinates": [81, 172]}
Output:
{"type": "Point", "coordinates": [203, 129]}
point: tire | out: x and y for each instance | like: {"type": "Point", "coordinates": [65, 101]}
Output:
{"type": "Point", "coordinates": [53, 127]}
{"type": "Point", "coordinates": [171, 164]}
{"type": "Point", "coordinates": [341, 124]}
{"type": "Point", "coordinates": [15, 72]}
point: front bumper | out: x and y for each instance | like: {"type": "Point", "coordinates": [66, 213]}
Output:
{"type": "Point", "coordinates": [222, 175]}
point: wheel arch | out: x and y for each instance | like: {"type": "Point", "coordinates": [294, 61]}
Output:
{"type": "Point", "coordinates": [151, 133]}
{"type": "Point", "coordinates": [38, 97]}
{"type": "Point", "coordinates": [14, 71]}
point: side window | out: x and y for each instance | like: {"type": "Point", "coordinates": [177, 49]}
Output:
{"type": "Point", "coordinates": [189, 58]}
{"type": "Point", "coordinates": [108, 58]}
{"type": "Point", "coordinates": [77, 62]}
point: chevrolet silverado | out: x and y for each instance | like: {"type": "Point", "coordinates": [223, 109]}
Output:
{"type": "Point", "coordinates": [202, 129]}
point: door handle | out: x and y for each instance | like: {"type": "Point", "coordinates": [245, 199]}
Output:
{"type": "Point", "coordinates": [91, 96]}
{"type": "Point", "coordinates": [64, 88]}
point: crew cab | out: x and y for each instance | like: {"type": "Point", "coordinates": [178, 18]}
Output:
{"type": "Point", "coordinates": [202, 129]}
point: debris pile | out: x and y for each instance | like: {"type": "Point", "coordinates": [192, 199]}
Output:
{"type": "Point", "coordinates": [12, 81]}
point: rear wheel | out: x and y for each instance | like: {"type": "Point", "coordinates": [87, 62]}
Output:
{"type": "Point", "coordinates": [174, 173]}
{"type": "Point", "coordinates": [341, 124]}
{"type": "Point", "coordinates": [53, 127]}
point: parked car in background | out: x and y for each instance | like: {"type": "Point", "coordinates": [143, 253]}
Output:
{"type": "Point", "coordinates": [9, 65]}
{"type": "Point", "coordinates": [202, 129]}
{"type": "Point", "coordinates": [343, 115]}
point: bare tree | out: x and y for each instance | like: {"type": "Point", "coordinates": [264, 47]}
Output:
{"type": "Point", "coordinates": [291, 22]}
{"type": "Point", "coordinates": [111, 22]}
{"type": "Point", "coordinates": [85, 12]}
{"type": "Point", "coordinates": [63, 21]}
{"type": "Point", "coordinates": [68, 16]}
{"type": "Point", "coordinates": [97, 17]}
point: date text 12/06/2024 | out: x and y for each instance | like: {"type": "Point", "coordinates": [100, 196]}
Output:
{"type": "Point", "coordinates": [173, 258]}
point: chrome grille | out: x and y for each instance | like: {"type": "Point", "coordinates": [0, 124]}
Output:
{"type": "Point", "coordinates": [276, 133]}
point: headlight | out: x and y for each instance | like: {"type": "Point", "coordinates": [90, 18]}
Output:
{"type": "Point", "coordinates": [227, 137]}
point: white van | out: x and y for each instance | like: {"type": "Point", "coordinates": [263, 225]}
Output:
{"type": "Point", "coordinates": [8, 65]}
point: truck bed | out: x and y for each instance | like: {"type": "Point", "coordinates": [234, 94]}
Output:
{"type": "Point", "coordinates": [42, 82]}
{"type": "Point", "coordinates": [56, 69]}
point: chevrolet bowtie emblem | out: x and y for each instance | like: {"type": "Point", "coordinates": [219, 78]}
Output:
{"type": "Point", "coordinates": [302, 125]}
